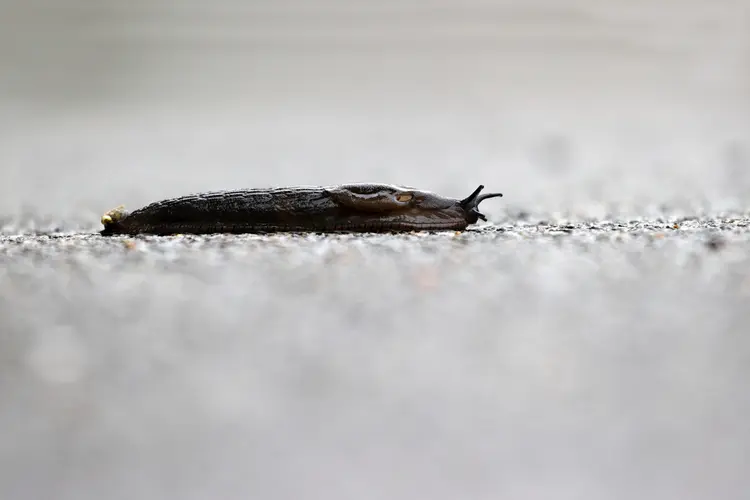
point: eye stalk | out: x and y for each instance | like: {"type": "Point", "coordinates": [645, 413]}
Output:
{"type": "Point", "coordinates": [471, 203]}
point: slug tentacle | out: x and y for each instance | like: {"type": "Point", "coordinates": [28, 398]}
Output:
{"type": "Point", "coordinates": [471, 202]}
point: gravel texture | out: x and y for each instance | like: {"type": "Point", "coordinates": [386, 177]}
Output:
{"type": "Point", "coordinates": [526, 359]}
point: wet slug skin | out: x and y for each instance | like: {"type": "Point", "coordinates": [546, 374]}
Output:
{"type": "Point", "coordinates": [344, 208]}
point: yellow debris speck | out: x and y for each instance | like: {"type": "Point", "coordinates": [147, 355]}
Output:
{"type": "Point", "coordinates": [113, 215]}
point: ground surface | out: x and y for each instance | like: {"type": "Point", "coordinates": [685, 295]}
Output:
{"type": "Point", "coordinates": [525, 359]}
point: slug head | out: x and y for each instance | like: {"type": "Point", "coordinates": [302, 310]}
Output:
{"type": "Point", "coordinates": [412, 206]}
{"type": "Point", "coordinates": [426, 200]}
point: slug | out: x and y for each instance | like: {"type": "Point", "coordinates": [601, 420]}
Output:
{"type": "Point", "coordinates": [344, 208]}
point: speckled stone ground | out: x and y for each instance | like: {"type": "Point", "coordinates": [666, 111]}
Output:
{"type": "Point", "coordinates": [514, 359]}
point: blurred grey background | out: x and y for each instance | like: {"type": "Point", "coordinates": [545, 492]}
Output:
{"type": "Point", "coordinates": [563, 106]}
{"type": "Point", "coordinates": [594, 362]}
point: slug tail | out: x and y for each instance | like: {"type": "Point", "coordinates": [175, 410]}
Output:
{"type": "Point", "coordinates": [111, 220]}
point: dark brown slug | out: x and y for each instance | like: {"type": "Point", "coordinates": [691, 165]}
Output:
{"type": "Point", "coordinates": [345, 208]}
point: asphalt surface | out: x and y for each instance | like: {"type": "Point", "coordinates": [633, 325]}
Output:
{"type": "Point", "coordinates": [599, 359]}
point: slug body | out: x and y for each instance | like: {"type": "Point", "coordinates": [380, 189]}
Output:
{"type": "Point", "coordinates": [344, 208]}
